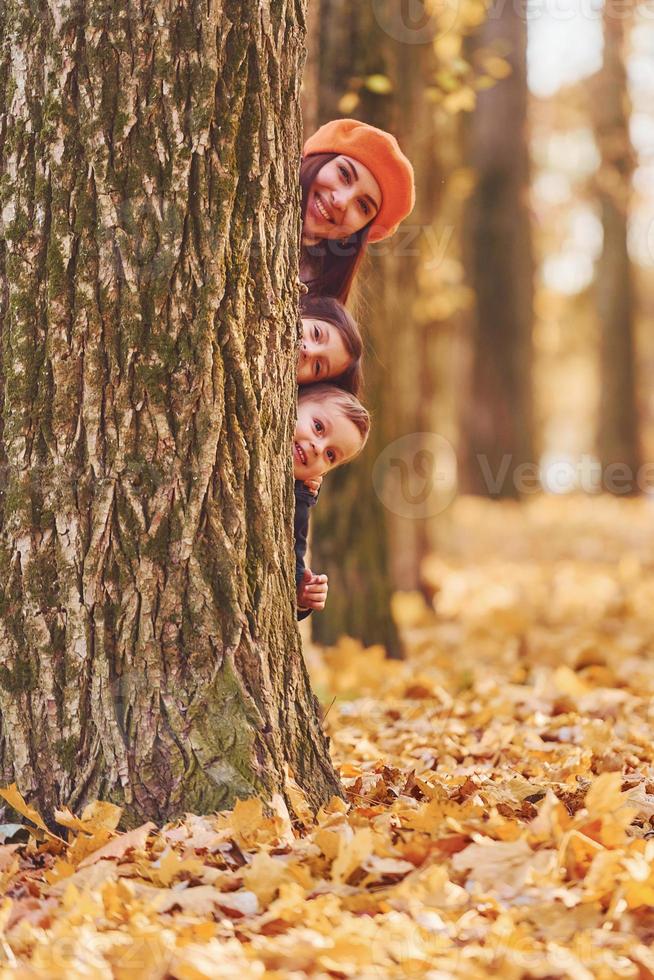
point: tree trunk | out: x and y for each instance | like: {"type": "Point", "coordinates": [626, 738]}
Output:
{"type": "Point", "coordinates": [497, 410]}
{"type": "Point", "coordinates": [412, 392]}
{"type": "Point", "coordinates": [618, 435]}
{"type": "Point", "coordinates": [148, 161]}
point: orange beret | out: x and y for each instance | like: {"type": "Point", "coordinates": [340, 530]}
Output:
{"type": "Point", "coordinates": [381, 154]}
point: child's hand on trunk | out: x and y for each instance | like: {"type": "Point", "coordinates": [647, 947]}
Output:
{"type": "Point", "coordinates": [312, 591]}
{"type": "Point", "coordinates": [313, 486]}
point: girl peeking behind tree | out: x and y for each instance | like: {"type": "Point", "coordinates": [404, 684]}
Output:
{"type": "Point", "coordinates": [357, 186]}
{"type": "Point", "coordinates": [331, 348]}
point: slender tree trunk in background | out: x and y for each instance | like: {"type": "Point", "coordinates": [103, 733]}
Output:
{"type": "Point", "coordinates": [368, 547]}
{"type": "Point", "coordinates": [414, 398]}
{"type": "Point", "coordinates": [497, 410]}
{"type": "Point", "coordinates": [150, 205]}
{"type": "Point", "coordinates": [618, 432]}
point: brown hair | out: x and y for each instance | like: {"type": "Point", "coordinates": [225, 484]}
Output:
{"type": "Point", "coordinates": [329, 309]}
{"type": "Point", "coordinates": [348, 405]}
{"type": "Point", "coordinates": [338, 262]}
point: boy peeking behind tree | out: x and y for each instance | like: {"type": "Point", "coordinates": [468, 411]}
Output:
{"type": "Point", "coordinates": [332, 428]}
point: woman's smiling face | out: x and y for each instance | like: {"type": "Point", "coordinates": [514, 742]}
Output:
{"type": "Point", "coordinates": [323, 353]}
{"type": "Point", "coordinates": [343, 198]}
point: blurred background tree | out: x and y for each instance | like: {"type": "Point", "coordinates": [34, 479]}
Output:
{"type": "Point", "coordinates": [617, 433]}
{"type": "Point", "coordinates": [497, 431]}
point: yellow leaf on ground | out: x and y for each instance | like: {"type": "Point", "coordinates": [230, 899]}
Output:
{"type": "Point", "coordinates": [62, 869]}
{"type": "Point", "coordinates": [352, 853]}
{"type": "Point", "coordinates": [503, 865]}
{"type": "Point", "coordinates": [204, 899]}
{"type": "Point", "coordinates": [246, 819]}
{"type": "Point", "coordinates": [567, 682]}
{"type": "Point", "coordinates": [119, 846]}
{"type": "Point", "coordinates": [605, 794]}
{"type": "Point", "coordinates": [99, 813]}
{"type": "Point", "coordinates": [170, 866]}
{"type": "Point", "coordinates": [15, 800]}
{"type": "Point", "coordinates": [264, 876]}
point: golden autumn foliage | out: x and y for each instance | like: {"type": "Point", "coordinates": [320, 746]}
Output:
{"type": "Point", "coordinates": [500, 794]}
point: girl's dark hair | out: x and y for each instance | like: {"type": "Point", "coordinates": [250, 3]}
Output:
{"type": "Point", "coordinates": [329, 309]}
{"type": "Point", "coordinates": [338, 263]}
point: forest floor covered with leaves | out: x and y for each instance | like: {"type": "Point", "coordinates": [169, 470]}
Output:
{"type": "Point", "coordinates": [500, 794]}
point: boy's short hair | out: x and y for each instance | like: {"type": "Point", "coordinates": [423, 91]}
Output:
{"type": "Point", "coordinates": [348, 404]}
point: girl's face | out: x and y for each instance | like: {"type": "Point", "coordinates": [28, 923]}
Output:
{"type": "Point", "coordinates": [324, 438]}
{"type": "Point", "coordinates": [323, 354]}
{"type": "Point", "coordinates": [342, 199]}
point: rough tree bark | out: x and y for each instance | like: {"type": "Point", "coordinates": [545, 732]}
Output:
{"type": "Point", "coordinates": [150, 217]}
{"type": "Point", "coordinates": [618, 430]}
{"type": "Point", "coordinates": [497, 410]}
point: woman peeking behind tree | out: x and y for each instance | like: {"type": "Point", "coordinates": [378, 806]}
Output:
{"type": "Point", "coordinates": [357, 186]}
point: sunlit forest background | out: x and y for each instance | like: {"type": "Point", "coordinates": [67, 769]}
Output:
{"type": "Point", "coordinates": [509, 354]}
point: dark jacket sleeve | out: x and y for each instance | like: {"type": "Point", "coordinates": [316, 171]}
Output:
{"type": "Point", "coordinates": [304, 499]}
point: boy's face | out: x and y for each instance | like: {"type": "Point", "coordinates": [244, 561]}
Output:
{"type": "Point", "coordinates": [324, 438]}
